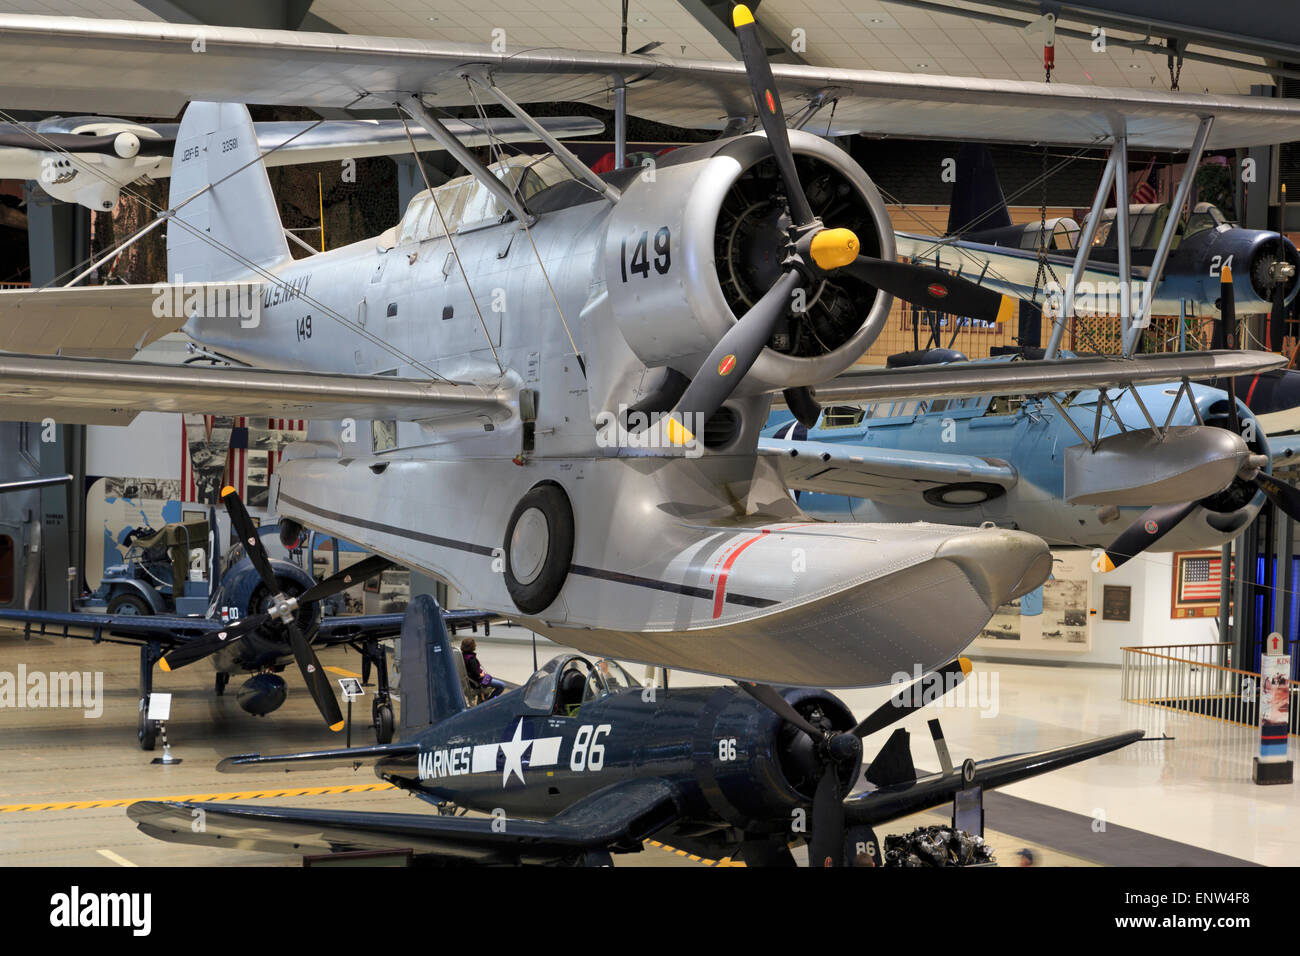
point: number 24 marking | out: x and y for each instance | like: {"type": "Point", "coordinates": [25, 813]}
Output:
{"type": "Point", "coordinates": [640, 261]}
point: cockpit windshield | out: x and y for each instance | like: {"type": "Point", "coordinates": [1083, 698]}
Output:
{"type": "Point", "coordinates": [464, 203]}
{"type": "Point", "coordinates": [564, 683]}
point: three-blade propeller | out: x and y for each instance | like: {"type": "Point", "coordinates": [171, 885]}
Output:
{"type": "Point", "coordinates": [812, 253]}
{"type": "Point", "coordinates": [840, 752]}
{"type": "Point", "coordinates": [282, 608]}
{"type": "Point", "coordinates": [1158, 521]}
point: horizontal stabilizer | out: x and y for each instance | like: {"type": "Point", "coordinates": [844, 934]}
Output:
{"type": "Point", "coordinates": [112, 321]}
{"type": "Point", "coordinates": [317, 759]}
{"type": "Point", "coordinates": [898, 800]}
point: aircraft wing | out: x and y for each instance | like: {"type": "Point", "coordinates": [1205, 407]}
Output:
{"type": "Point", "coordinates": [960, 379]}
{"type": "Point", "coordinates": [24, 147]}
{"type": "Point", "coordinates": [874, 807]}
{"type": "Point", "coordinates": [618, 817]}
{"type": "Point", "coordinates": [171, 630]}
{"type": "Point", "coordinates": [340, 629]}
{"type": "Point", "coordinates": [136, 629]}
{"type": "Point", "coordinates": [861, 472]}
{"type": "Point", "coordinates": [66, 63]}
{"type": "Point", "coordinates": [1005, 269]}
{"type": "Point", "coordinates": [1284, 450]}
{"type": "Point", "coordinates": [113, 392]}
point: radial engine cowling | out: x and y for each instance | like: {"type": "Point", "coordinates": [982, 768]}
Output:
{"type": "Point", "coordinates": [691, 249]}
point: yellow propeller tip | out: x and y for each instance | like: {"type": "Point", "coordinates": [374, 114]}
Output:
{"type": "Point", "coordinates": [228, 490]}
{"type": "Point", "coordinates": [1105, 564]}
{"type": "Point", "coordinates": [741, 16]}
{"type": "Point", "coordinates": [678, 434]}
{"type": "Point", "coordinates": [336, 727]}
{"type": "Point", "coordinates": [162, 662]}
{"type": "Point", "coordinates": [966, 665]}
{"type": "Point", "coordinates": [1225, 274]}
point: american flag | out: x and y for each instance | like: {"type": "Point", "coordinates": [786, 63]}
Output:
{"type": "Point", "coordinates": [1200, 579]}
{"type": "Point", "coordinates": [1148, 190]}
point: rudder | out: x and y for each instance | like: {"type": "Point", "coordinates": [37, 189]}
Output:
{"type": "Point", "coordinates": [977, 201]}
{"type": "Point", "coordinates": [238, 217]}
{"type": "Point", "coordinates": [430, 682]}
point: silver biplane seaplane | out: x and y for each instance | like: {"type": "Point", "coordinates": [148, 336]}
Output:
{"type": "Point", "coordinates": [477, 376]}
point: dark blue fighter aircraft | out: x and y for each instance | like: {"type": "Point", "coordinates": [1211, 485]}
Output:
{"type": "Point", "coordinates": [274, 618]}
{"type": "Point", "coordinates": [581, 762]}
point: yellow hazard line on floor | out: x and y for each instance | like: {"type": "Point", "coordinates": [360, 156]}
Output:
{"type": "Point", "coordinates": [703, 861]}
{"type": "Point", "coordinates": [197, 798]}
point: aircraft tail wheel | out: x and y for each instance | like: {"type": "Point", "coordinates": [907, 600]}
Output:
{"type": "Point", "coordinates": [147, 731]}
{"type": "Point", "coordinates": [539, 547]}
{"type": "Point", "coordinates": [383, 714]}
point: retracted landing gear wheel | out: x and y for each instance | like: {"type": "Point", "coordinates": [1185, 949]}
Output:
{"type": "Point", "coordinates": [539, 547]}
{"type": "Point", "coordinates": [383, 716]}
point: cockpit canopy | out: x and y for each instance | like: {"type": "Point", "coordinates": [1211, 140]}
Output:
{"type": "Point", "coordinates": [465, 203]}
{"type": "Point", "coordinates": [1147, 222]}
{"type": "Point", "coordinates": [567, 681]}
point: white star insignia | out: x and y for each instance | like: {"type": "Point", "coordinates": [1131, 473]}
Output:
{"type": "Point", "coordinates": [514, 751]}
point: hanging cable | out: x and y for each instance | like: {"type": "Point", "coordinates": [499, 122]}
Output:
{"type": "Point", "coordinates": [582, 364]}
{"type": "Point", "coordinates": [446, 231]}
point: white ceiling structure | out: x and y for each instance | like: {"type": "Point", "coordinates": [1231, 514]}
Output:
{"type": "Point", "coordinates": [857, 34]}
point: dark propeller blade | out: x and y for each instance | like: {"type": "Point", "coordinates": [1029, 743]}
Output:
{"type": "Point", "coordinates": [767, 695]}
{"type": "Point", "coordinates": [1284, 496]}
{"type": "Point", "coordinates": [914, 696]}
{"type": "Point", "coordinates": [196, 650]}
{"type": "Point", "coordinates": [317, 683]}
{"type": "Point", "coordinates": [342, 580]}
{"type": "Point", "coordinates": [735, 353]}
{"type": "Point", "coordinates": [805, 408]}
{"type": "Point", "coordinates": [1228, 316]}
{"type": "Point", "coordinates": [826, 841]}
{"type": "Point", "coordinates": [1277, 316]}
{"type": "Point", "coordinates": [1154, 524]}
{"type": "Point", "coordinates": [768, 103]}
{"type": "Point", "coordinates": [247, 532]}
{"type": "Point", "coordinates": [928, 287]}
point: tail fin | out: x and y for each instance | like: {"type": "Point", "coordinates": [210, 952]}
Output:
{"type": "Point", "coordinates": [235, 224]}
{"type": "Point", "coordinates": [430, 682]}
{"type": "Point", "coordinates": [977, 201]}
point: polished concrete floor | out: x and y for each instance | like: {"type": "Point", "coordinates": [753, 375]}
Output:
{"type": "Point", "coordinates": [66, 778]}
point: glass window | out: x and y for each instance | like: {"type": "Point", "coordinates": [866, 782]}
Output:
{"type": "Point", "coordinates": [539, 690]}
{"type": "Point", "coordinates": [842, 416]}
{"type": "Point", "coordinates": [616, 677]}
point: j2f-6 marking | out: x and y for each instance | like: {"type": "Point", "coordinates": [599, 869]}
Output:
{"type": "Point", "coordinates": [639, 264]}
{"type": "Point", "coordinates": [285, 291]}
{"type": "Point", "coordinates": [587, 754]}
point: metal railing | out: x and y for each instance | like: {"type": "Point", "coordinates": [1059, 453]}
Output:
{"type": "Point", "coordinates": [1195, 679]}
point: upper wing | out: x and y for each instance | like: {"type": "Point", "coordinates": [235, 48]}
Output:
{"type": "Point", "coordinates": [24, 147]}
{"type": "Point", "coordinates": [167, 630]}
{"type": "Point", "coordinates": [1039, 377]}
{"type": "Point", "coordinates": [89, 391]}
{"type": "Point", "coordinates": [618, 817]}
{"type": "Point", "coordinates": [861, 472]}
{"type": "Point", "coordinates": [65, 63]}
{"type": "Point", "coordinates": [889, 803]}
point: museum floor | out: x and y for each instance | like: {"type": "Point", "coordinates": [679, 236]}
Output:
{"type": "Point", "coordinates": [1185, 800]}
